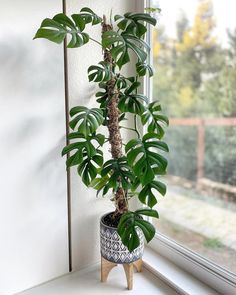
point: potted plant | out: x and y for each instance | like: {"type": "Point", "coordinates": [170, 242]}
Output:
{"type": "Point", "coordinates": [134, 166]}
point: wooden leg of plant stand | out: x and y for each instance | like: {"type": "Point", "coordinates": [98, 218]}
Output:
{"type": "Point", "coordinates": [138, 265]}
{"type": "Point", "coordinates": [106, 267]}
{"type": "Point", "coordinates": [129, 274]}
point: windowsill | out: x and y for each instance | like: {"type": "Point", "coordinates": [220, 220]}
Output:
{"type": "Point", "coordinates": [160, 277]}
{"type": "Point", "coordinates": [87, 281]}
{"type": "Point", "coordinates": [196, 266]}
{"type": "Point", "coordinates": [175, 277]}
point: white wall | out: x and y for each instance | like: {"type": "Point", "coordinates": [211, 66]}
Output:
{"type": "Point", "coordinates": [86, 208]}
{"type": "Point", "coordinates": [33, 209]}
{"type": "Point", "coordinates": [33, 216]}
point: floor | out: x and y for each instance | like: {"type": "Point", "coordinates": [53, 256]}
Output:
{"type": "Point", "coordinates": [88, 282]}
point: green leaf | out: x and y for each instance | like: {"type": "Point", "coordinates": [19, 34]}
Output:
{"type": "Point", "coordinates": [146, 195]}
{"type": "Point", "coordinates": [127, 231]}
{"type": "Point", "coordinates": [133, 23]}
{"type": "Point", "coordinates": [99, 182]}
{"type": "Point", "coordinates": [127, 217]}
{"type": "Point", "coordinates": [86, 120]}
{"type": "Point", "coordinates": [56, 36]}
{"type": "Point", "coordinates": [85, 155]}
{"type": "Point", "coordinates": [127, 228]}
{"type": "Point", "coordinates": [147, 212]}
{"type": "Point", "coordinates": [131, 102]}
{"type": "Point", "coordinates": [120, 44]}
{"type": "Point", "coordinates": [152, 9]}
{"type": "Point", "coordinates": [147, 228]}
{"type": "Point", "coordinates": [100, 138]}
{"type": "Point", "coordinates": [149, 139]}
{"type": "Point", "coordinates": [116, 17]}
{"type": "Point", "coordinates": [119, 173]}
{"type": "Point", "coordinates": [135, 184]}
{"type": "Point", "coordinates": [143, 160]}
{"type": "Point", "coordinates": [90, 16]}
{"type": "Point", "coordinates": [89, 167]}
{"type": "Point", "coordinates": [77, 109]}
{"type": "Point", "coordinates": [79, 21]}
{"type": "Point", "coordinates": [124, 82]}
{"type": "Point", "coordinates": [154, 119]}
{"type": "Point", "coordinates": [74, 135]}
{"type": "Point", "coordinates": [143, 68]}
{"type": "Point", "coordinates": [133, 239]}
{"type": "Point", "coordinates": [102, 95]}
{"type": "Point", "coordinates": [122, 117]}
{"type": "Point", "coordinates": [100, 73]}
{"type": "Point", "coordinates": [57, 28]}
{"type": "Point", "coordinates": [75, 159]}
{"type": "Point", "coordinates": [72, 146]}
{"type": "Point", "coordinates": [63, 19]}
{"type": "Point", "coordinates": [134, 86]}
{"type": "Point", "coordinates": [88, 159]}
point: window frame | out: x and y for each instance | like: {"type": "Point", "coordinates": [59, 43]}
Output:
{"type": "Point", "coordinates": [200, 267]}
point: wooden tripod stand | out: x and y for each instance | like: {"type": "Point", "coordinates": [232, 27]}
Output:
{"type": "Point", "coordinates": [107, 266]}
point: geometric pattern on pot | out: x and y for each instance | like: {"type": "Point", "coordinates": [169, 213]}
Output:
{"type": "Point", "coordinates": [112, 248]}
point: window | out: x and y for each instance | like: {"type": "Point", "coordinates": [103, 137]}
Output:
{"type": "Point", "coordinates": [194, 57]}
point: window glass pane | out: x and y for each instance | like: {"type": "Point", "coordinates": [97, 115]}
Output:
{"type": "Point", "coordinates": [194, 56]}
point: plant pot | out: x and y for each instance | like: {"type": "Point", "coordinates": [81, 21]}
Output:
{"type": "Point", "coordinates": [112, 248]}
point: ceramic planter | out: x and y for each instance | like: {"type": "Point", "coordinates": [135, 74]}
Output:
{"type": "Point", "coordinates": [112, 248]}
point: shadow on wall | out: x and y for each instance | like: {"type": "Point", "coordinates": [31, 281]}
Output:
{"type": "Point", "coordinates": [28, 68]}
{"type": "Point", "coordinates": [50, 162]}
{"type": "Point", "coordinates": [32, 129]}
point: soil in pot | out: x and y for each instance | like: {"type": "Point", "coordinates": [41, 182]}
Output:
{"type": "Point", "coordinates": [111, 220]}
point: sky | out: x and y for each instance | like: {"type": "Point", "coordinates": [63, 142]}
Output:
{"type": "Point", "coordinates": [224, 12]}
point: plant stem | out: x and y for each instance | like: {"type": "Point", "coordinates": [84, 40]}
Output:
{"type": "Point", "coordinates": [135, 126]}
{"type": "Point", "coordinates": [113, 123]}
{"type": "Point", "coordinates": [132, 129]}
{"type": "Point", "coordinates": [135, 116]}
{"type": "Point", "coordinates": [95, 41]}
{"type": "Point", "coordinates": [100, 145]}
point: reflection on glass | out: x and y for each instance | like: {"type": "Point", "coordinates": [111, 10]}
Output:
{"type": "Point", "coordinates": [194, 52]}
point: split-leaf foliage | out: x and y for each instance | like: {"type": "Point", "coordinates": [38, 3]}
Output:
{"type": "Point", "coordinates": [142, 162]}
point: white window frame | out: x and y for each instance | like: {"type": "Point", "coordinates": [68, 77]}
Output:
{"type": "Point", "coordinates": [200, 267]}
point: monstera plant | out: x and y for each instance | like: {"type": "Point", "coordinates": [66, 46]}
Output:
{"type": "Point", "coordinates": [133, 168]}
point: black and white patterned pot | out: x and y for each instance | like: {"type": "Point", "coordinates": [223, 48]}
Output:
{"type": "Point", "coordinates": [112, 248]}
